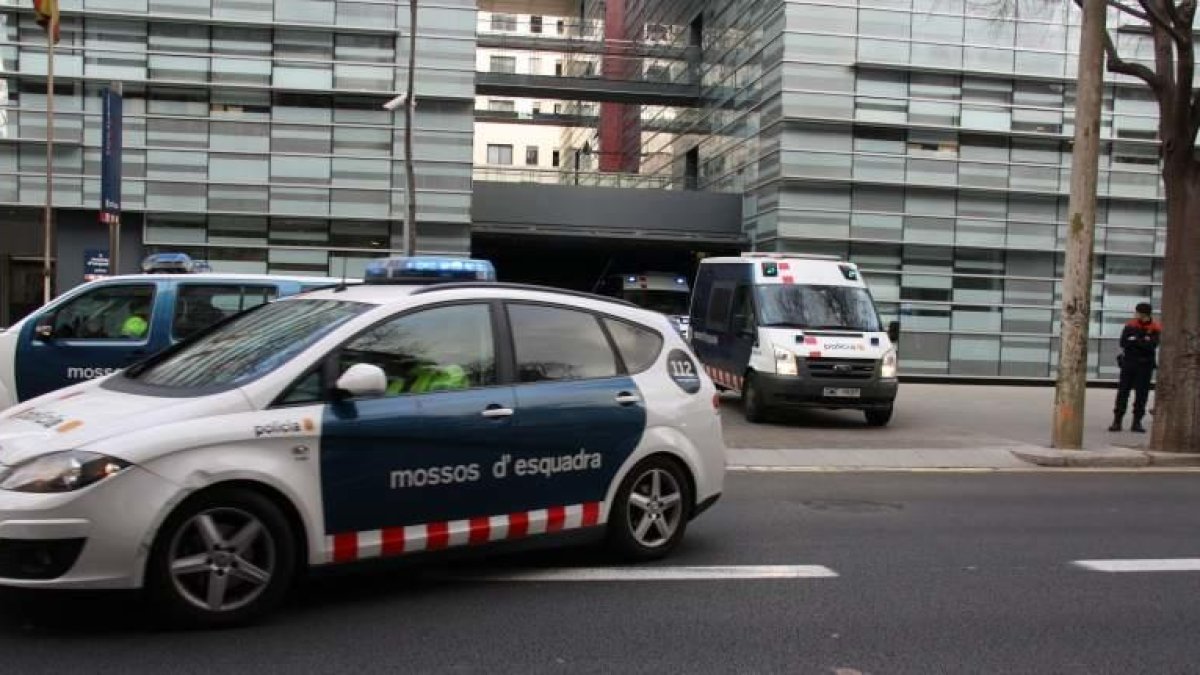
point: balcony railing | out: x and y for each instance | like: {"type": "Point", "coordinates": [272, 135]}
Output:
{"type": "Point", "coordinates": [504, 174]}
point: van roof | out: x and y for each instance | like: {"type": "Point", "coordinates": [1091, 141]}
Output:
{"type": "Point", "coordinates": [752, 257]}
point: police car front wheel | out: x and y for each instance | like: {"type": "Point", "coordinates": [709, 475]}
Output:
{"type": "Point", "coordinates": [224, 557]}
{"type": "Point", "coordinates": [651, 510]}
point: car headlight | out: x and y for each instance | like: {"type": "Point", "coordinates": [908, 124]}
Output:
{"type": "Point", "coordinates": [61, 472]}
{"type": "Point", "coordinates": [785, 362]}
{"type": "Point", "coordinates": [890, 365]}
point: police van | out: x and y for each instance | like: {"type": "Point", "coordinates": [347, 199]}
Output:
{"type": "Point", "coordinates": [102, 326]}
{"type": "Point", "coordinates": [663, 292]}
{"type": "Point", "coordinates": [794, 331]}
{"type": "Point", "coordinates": [428, 409]}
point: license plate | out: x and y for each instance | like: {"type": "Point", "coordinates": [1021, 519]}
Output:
{"type": "Point", "coordinates": [842, 392]}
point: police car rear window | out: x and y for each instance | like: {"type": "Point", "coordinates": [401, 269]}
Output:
{"type": "Point", "coordinates": [250, 345]}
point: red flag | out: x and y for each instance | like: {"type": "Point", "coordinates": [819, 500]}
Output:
{"type": "Point", "coordinates": [47, 13]}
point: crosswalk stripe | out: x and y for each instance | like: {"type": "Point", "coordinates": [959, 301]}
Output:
{"type": "Point", "coordinates": [661, 573]}
{"type": "Point", "coordinates": [1141, 565]}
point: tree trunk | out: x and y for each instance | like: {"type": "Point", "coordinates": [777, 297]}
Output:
{"type": "Point", "coordinates": [1177, 393]}
{"type": "Point", "coordinates": [1071, 386]}
{"type": "Point", "coordinates": [410, 180]}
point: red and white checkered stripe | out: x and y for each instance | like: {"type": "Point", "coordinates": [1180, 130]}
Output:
{"type": "Point", "coordinates": [392, 541]}
{"type": "Point", "coordinates": [724, 379]}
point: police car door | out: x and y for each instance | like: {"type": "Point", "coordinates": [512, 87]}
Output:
{"type": "Point", "coordinates": [423, 453]}
{"type": "Point", "coordinates": [579, 415]}
{"type": "Point", "coordinates": [99, 331]}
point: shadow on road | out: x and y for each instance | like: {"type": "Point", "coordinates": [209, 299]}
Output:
{"type": "Point", "coordinates": [814, 418]}
{"type": "Point", "coordinates": [342, 595]}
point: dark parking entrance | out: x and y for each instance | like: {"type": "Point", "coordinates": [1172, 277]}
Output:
{"type": "Point", "coordinates": [580, 263]}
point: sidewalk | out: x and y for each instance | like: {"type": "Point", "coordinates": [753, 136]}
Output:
{"type": "Point", "coordinates": [938, 427]}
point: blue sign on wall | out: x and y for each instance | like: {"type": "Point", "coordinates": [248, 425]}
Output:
{"type": "Point", "coordinates": [110, 157]}
{"type": "Point", "coordinates": [96, 264]}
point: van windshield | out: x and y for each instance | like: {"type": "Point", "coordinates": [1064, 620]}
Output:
{"type": "Point", "coordinates": [823, 307]}
{"type": "Point", "coordinates": [247, 346]}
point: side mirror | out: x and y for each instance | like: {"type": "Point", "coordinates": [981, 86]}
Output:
{"type": "Point", "coordinates": [362, 379]}
{"type": "Point", "coordinates": [893, 332]}
{"type": "Point", "coordinates": [44, 331]}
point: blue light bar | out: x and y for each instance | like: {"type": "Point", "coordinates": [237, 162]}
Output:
{"type": "Point", "coordinates": [173, 263]}
{"type": "Point", "coordinates": [424, 269]}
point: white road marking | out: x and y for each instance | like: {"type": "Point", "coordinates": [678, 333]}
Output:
{"type": "Point", "coordinates": [677, 573]}
{"type": "Point", "coordinates": [1143, 565]}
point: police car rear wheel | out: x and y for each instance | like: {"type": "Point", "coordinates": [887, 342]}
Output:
{"type": "Point", "coordinates": [651, 510]}
{"type": "Point", "coordinates": [224, 558]}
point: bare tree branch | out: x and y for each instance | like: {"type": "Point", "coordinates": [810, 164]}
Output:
{"type": "Point", "coordinates": [1137, 13]}
{"type": "Point", "coordinates": [1116, 4]}
{"type": "Point", "coordinates": [1186, 11]}
{"type": "Point", "coordinates": [1160, 19]}
{"type": "Point", "coordinates": [1128, 9]}
{"type": "Point", "coordinates": [1173, 13]}
{"type": "Point", "coordinates": [1118, 65]}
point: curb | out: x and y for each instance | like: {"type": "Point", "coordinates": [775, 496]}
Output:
{"type": "Point", "coordinates": [1106, 458]}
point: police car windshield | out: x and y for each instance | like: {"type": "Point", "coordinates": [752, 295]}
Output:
{"type": "Point", "coordinates": [828, 307]}
{"type": "Point", "coordinates": [665, 302]}
{"type": "Point", "coordinates": [249, 345]}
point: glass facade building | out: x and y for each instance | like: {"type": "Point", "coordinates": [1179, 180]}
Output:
{"type": "Point", "coordinates": [930, 142]}
{"type": "Point", "coordinates": [927, 140]}
{"type": "Point", "coordinates": [255, 136]}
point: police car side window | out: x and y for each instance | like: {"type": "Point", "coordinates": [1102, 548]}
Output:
{"type": "Point", "coordinates": [639, 346]}
{"type": "Point", "coordinates": [198, 306]}
{"type": "Point", "coordinates": [107, 313]}
{"type": "Point", "coordinates": [440, 349]}
{"type": "Point", "coordinates": [554, 343]}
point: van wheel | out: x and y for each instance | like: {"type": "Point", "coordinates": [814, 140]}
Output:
{"type": "Point", "coordinates": [752, 405]}
{"type": "Point", "coordinates": [651, 510]}
{"type": "Point", "coordinates": [878, 417]}
{"type": "Point", "coordinates": [225, 557]}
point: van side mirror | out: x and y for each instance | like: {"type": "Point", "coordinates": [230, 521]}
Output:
{"type": "Point", "coordinates": [44, 331]}
{"type": "Point", "coordinates": [893, 332]}
{"type": "Point", "coordinates": [362, 379]}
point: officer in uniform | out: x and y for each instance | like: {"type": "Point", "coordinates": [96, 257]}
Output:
{"type": "Point", "coordinates": [1139, 347]}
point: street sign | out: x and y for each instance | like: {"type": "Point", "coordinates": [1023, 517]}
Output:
{"type": "Point", "coordinates": [110, 156]}
{"type": "Point", "coordinates": [96, 264]}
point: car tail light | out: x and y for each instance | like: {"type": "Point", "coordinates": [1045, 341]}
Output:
{"type": "Point", "coordinates": [716, 400]}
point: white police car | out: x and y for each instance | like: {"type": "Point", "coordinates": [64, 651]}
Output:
{"type": "Point", "coordinates": [357, 423]}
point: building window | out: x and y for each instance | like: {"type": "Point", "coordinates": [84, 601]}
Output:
{"type": "Point", "coordinates": [531, 155]}
{"type": "Point", "coordinates": [555, 158]}
{"type": "Point", "coordinates": [501, 105]}
{"type": "Point", "coordinates": [503, 64]}
{"type": "Point", "coordinates": [535, 24]}
{"type": "Point", "coordinates": [561, 26]}
{"type": "Point", "coordinates": [535, 65]}
{"type": "Point", "coordinates": [500, 154]}
{"type": "Point", "coordinates": [504, 22]}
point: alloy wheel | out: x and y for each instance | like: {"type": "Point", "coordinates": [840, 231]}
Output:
{"type": "Point", "coordinates": [222, 559]}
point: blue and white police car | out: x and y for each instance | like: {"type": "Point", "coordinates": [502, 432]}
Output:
{"type": "Point", "coordinates": [105, 325]}
{"type": "Point", "coordinates": [355, 423]}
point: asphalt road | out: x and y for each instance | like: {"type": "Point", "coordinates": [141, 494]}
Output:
{"type": "Point", "coordinates": [931, 416]}
{"type": "Point", "coordinates": [936, 573]}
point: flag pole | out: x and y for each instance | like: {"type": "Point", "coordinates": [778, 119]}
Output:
{"type": "Point", "coordinates": [48, 224]}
